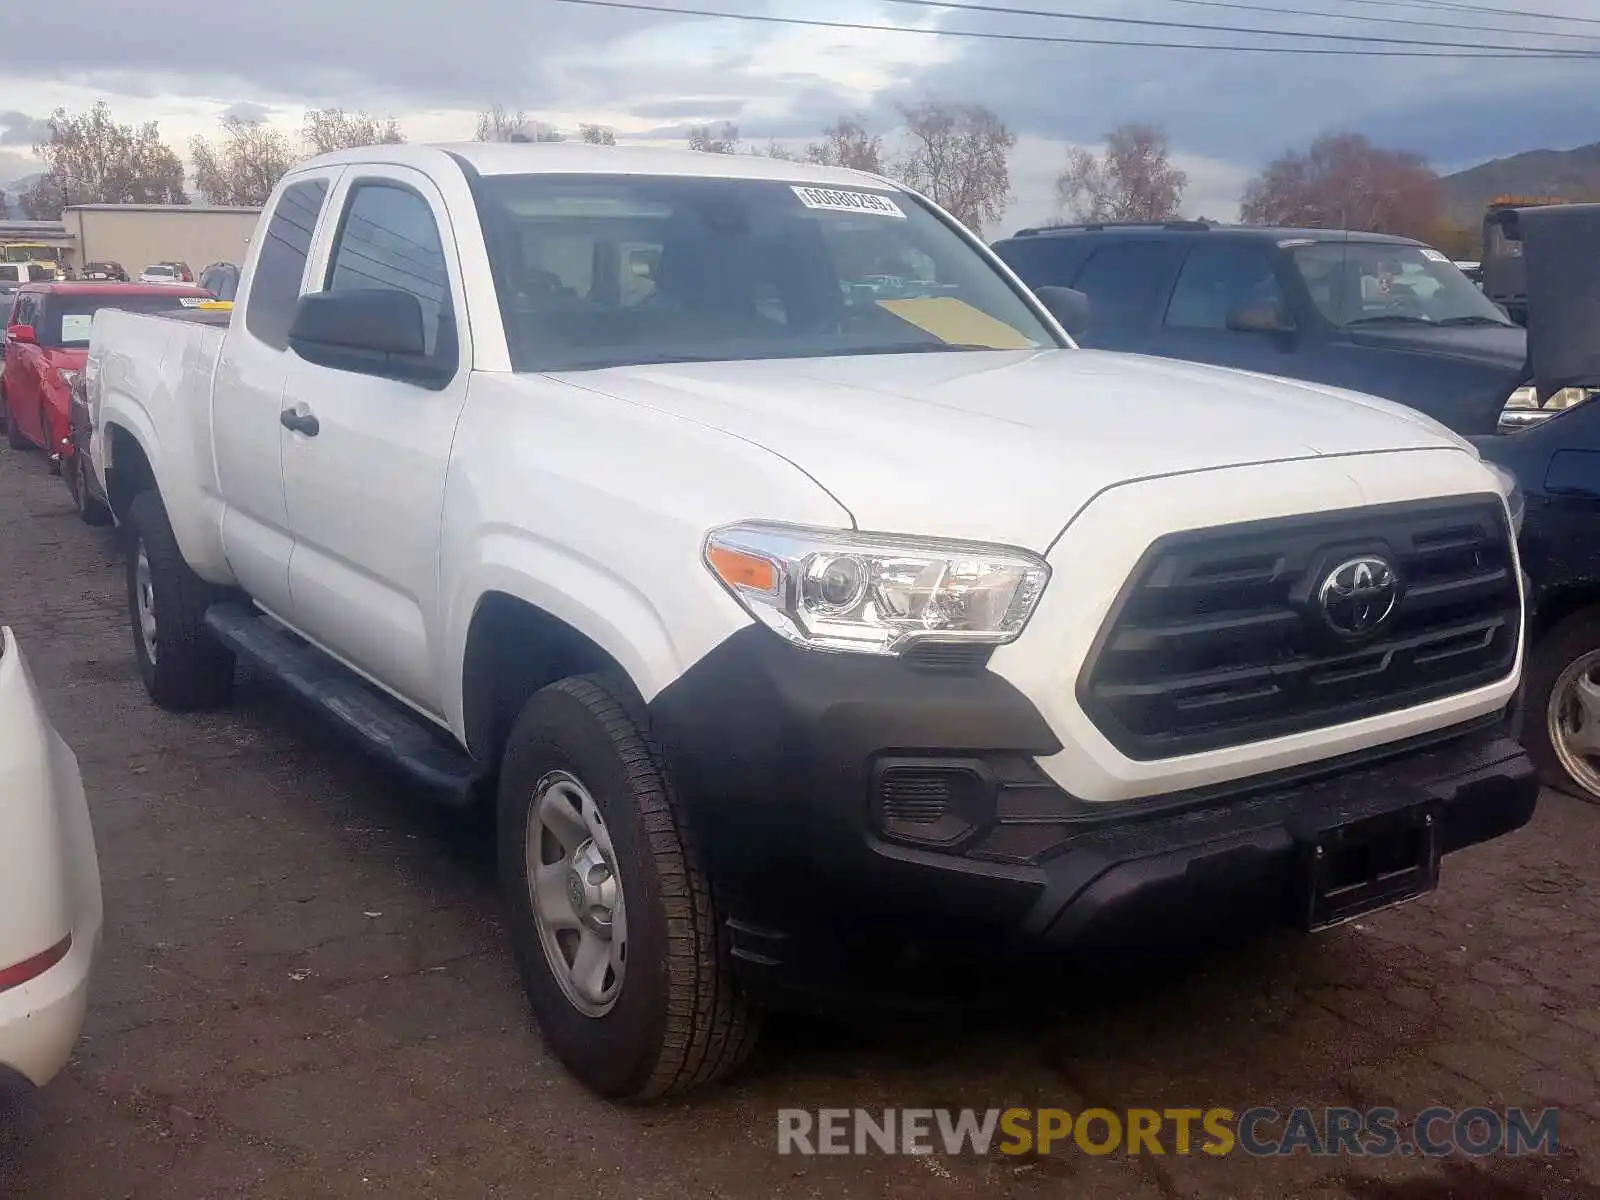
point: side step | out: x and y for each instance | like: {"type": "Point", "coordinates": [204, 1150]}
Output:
{"type": "Point", "coordinates": [384, 727]}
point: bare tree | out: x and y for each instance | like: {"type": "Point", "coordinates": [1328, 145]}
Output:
{"type": "Point", "coordinates": [709, 140]}
{"type": "Point", "coordinates": [5, 205]}
{"type": "Point", "coordinates": [328, 129]}
{"type": "Point", "coordinates": [775, 149]}
{"type": "Point", "coordinates": [90, 159]}
{"type": "Point", "coordinates": [846, 143]}
{"type": "Point", "coordinates": [597, 135]}
{"type": "Point", "coordinates": [958, 155]}
{"type": "Point", "coordinates": [1133, 181]}
{"type": "Point", "coordinates": [497, 125]}
{"type": "Point", "coordinates": [244, 165]}
{"type": "Point", "coordinates": [1345, 182]}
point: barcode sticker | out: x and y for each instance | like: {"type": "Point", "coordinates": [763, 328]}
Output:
{"type": "Point", "coordinates": [834, 200]}
{"type": "Point", "coordinates": [1432, 255]}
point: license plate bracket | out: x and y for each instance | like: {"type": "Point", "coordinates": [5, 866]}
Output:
{"type": "Point", "coordinates": [1368, 864]}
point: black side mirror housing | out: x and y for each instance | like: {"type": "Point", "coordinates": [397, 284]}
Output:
{"type": "Point", "coordinates": [1068, 306]}
{"type": "Point", "coordinates": [373, 331]}
{"type": "Point", "coordinates": [1260, 318]}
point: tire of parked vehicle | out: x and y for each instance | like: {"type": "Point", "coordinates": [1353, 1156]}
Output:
{"type": "Point", "coordinates": [52, 459]}
{"type": "Point", "coordinates": [626, 967]}
{"type": "Point", "coordinates": [90, 510]}
{"type": "Point", "coordinates": [14, 437]}
{"type": "Point", "coordinates": [1559, 686]}
{"type": "Point", "coordinates": [182, 665]}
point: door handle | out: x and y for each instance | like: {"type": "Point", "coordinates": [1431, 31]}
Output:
{"type": "Point", "coordinates": [299, 422]}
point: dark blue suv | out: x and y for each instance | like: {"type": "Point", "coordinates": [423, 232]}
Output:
{"type": "Point", "coordinates": [1377, 314]}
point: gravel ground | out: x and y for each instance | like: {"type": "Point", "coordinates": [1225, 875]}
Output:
{"type": "Point", "coordinates": [304, 993]}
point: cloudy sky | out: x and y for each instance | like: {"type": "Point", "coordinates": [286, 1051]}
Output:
{"type": "Point", "coordinates": [185, 63]}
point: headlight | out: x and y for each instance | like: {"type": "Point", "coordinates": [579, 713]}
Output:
{"type": "Point", "coordinates": [875, 594]}
{"type": "Point", "coordinates": [1516, 503]}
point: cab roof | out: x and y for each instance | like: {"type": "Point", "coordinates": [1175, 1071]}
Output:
{"type": "Point", "coordinates": [1263, 233]}
{"type": "Point", "coordinates": [581, 158]}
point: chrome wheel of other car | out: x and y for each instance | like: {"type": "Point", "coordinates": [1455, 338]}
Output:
{"type": "Point", "coordinates": [145, 599]}
{"type": "Point", "coordinates": [576, 893]}
{"type": "Point", "coordinates": [1573, 720]}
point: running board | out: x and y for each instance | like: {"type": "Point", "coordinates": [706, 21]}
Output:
{"type": "Point", "coordinates": [386, 728]}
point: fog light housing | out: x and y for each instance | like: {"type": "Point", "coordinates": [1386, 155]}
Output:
{"type": "Point", "coordinates": [934, 803]}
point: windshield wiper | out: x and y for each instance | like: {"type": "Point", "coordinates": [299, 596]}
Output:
{"type": "Point", "coordinates": [1477, 319]}
{"type": "Point", "coordinates": [1390, 319]}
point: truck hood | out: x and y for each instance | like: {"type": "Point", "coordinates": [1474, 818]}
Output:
{"type": "Point", "coordinates": [1006, 446]}
{"type": "Point", "coordinates": [1502, 347]}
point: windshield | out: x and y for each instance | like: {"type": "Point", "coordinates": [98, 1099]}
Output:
{"type": "Point", "coordinates": [1355, 283]}
{"type": "Point", "coordinates": [68, 319]}
{"type": "Point", "coordinates": [28, 252]}
{"type": "Point", "coordinates": [609, 270]}
{"type": "Point", "coordinates": [158, 269]}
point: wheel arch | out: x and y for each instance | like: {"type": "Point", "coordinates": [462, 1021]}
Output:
{"type": "Point", "coordinates": [513, 648]}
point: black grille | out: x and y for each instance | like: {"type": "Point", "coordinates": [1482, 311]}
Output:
{"type": "Point", "coordinates": [1218, 638]}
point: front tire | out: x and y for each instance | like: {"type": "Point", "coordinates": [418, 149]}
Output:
{"type": "Point", "coordinates": [182, 665]}
{"type": "Point", "coordinates": [1562, 714]}
{"type": "Point", "coordinates": [624, 961]}
{"type": "Point", "coordinates": [90, 510]}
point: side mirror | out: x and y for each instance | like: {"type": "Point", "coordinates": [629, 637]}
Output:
{"type": "Point", "coordinates": [1260, 318]}
{"type": "Point", "coordinates": [373, 331]}
{"type": "Point", "coordinates": [21, 333]}
{"type": "Point", "coordinates": [1068, 306]}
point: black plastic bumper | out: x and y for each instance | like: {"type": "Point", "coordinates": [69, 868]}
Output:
{"type": "Point", "coordinates": [815, 783]}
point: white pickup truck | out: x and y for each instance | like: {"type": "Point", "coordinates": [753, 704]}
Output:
{"type": "Point", "coordinates": [808, 604]}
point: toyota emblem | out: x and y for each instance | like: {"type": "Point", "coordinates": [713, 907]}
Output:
{"type": "Point", "coordinates": [1358, 595]}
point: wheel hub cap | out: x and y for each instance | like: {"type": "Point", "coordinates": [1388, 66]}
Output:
{"type": "Point", "coordinates": [1573, 722]}
{"type": "Point", "coordinates": [576, 894]}
{"type": "Point", "coordinates": [145, 601]}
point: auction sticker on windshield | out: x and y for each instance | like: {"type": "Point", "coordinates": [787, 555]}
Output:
{"type": "Point", "coordinates": [834, 200]}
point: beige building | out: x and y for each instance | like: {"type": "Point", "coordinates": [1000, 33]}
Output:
{"type": "Point", "coordinates": [137, 235]}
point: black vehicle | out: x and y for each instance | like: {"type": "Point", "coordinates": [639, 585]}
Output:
{"type": "Point", "coordinates": [1557, 466]}
{"type": "Point", "coordinates": [221, 280]}
{"type": "Point", "coordinates": [105, 270]}
{"type": "Point", "coordinates": [1377, 314]}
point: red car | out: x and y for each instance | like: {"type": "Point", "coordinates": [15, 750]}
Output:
{"type": "Point", "coordinates": [47, 341]}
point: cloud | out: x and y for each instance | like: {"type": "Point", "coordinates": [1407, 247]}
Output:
{"type": "Point", "coordinates": [19, 129]}
{"type": "Point", "coordinates": [1247, 108]}
{"type": "Point", "coordinates": [247, 111]}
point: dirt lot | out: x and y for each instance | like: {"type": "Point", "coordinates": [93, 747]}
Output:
{"type": "Point", "coordinates": [303, 993]}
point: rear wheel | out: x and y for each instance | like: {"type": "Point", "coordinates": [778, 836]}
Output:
{"type": "Point", "coordinates": [182, 665]}
{"type": "Point", "coordinates": [624, 961]}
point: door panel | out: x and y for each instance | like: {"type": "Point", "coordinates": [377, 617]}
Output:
{"type": "Point", "coordinates": [249, 380]}
{"type": "Point", "coordinates": [365, 492]}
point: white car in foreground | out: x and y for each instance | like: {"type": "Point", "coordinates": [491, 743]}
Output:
{"type": "Point", "coordinates": [50, 906]}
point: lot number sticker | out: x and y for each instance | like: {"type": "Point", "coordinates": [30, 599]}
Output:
{"type": "Point", "coordinates": [1432, 255]}
{"type": "Point", "coordinates": [833, 200]}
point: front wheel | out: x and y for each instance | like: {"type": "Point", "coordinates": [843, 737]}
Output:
{"type": "Point", "coordinates": [90, 510]}
{"type": "Point", "coordinates": [1562, 714]}
{"type": "Point", "coordinates": [624, 961]}
{"type": "Point", "coordinates": [52, 452]}
{"type": "Point", "coordinates": [182, 665]}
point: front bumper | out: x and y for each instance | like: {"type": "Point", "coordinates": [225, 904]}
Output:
{"type": "Point", "coordinates": [813, 782]}
{"type": "Point", "coordinates": [51, 911]}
